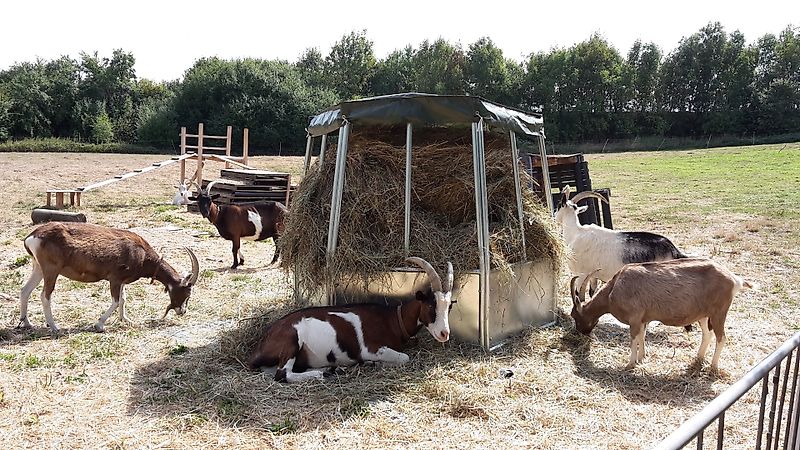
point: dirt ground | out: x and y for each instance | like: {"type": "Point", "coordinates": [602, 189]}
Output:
{"type": "Point", "coordinates": [168, 383]}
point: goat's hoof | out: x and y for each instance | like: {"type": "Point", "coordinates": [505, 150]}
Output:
{"type": "Point", "coordinates": [630, 366]}
{"type": "Point", "coordinates": [99, 328]}
{"type": "Point", "coordinates": [24, 325]}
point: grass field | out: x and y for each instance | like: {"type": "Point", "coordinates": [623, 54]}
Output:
{"type": "Point", "coordinates": [169, 384]}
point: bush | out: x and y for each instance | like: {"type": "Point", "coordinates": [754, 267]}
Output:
{"type": "Point", "coordinates": [70, 146]}
{"type": "Point", "coordinates": [102, 129]}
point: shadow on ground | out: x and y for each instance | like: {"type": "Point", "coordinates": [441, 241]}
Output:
{"type": "Point", "coordinates": [677, 387]}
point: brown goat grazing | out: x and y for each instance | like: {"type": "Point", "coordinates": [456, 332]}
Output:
{"type": "Point", "coordinates": [677, 293]}
{"type": "Point", "coordinates": [89, 253]}
{"type": "Point", "coordinates": [331, 336]}
{"type": "Point", "coordinates": [256, 221]}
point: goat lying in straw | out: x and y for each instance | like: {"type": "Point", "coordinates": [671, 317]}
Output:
{"type": "Point", "coordinates": [677, 293]}
{"type": "Point", "coordinates": [331, 336]}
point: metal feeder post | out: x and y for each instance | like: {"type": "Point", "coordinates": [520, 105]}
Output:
{"type": "Point", "coordinates": [407, 236]}
{"type": "Point", "coordinates": [307, 159]}
{"type": "Point", "coordinates": [548, 197]}
{"type": "Point", "coordinates": [322, 146]}
{"type": "Point", "coordinates": [518, 190]}
{"type": "Point", "coordinates": [482, 225]}
{"type": "Point", "coordinates": [336, 198]}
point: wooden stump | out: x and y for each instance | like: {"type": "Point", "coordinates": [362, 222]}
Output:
{"type": "Point", "coordinates": [41, 215]}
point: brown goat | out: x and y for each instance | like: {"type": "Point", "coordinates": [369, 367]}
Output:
{"type": "Point", "coordinates": [257, 221]}
{"type": "Point", "coordinates": [676, 293]}
{"type": "Point", "coordinates": [89, 253]}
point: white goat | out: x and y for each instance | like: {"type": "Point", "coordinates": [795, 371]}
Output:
{"type": "Point", "coordinates": [594, 247]}
{"type": "Point", "coordinates": [677, 293]}
{"type": "Point", "coordinates": [182, 196]}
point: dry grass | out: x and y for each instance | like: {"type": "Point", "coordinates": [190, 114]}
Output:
{"type": "Point", "coordinates": [370, 240]}
{"type": "Point", "coordinates": [174, 384]}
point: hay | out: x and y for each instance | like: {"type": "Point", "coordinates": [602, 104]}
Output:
{"type": "Point", "coordinates": [370, 241]}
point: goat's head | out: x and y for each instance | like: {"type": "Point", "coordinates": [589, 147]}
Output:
{"type": "Point", "coordinates": [568, 208]}
{"type": "Point", "coordinates": [179, 294]}
{"type": "Point", "coordinates": [437, 303]}
{"type": "Point", "coordinates": [205, 199]}
{"type": "Point", "coordinates": [182, 196]}
{"type": "Point", "coordinates": [583, 324]}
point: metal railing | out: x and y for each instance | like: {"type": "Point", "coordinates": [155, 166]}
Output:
{"type": "Point", "coordinates": [779, 405]}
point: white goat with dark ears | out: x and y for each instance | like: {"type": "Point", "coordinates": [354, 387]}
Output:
{"type": "Point", "coordinates": [594, 247]}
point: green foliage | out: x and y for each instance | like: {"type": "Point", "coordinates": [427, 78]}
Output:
{"type": "Point", "coordinates": [350, 65]}
{"type": "Point", "coordinates": [712, 83]}
{"type": "Point", "coordinates": [102, 129]}
{"type": "Point", "coordinates": [439, 68]}
{"type": "Point", "coordinates": [20, 261]}
{"type": "Point", "coordinates": [268, 97]}
{"type": "Point", "coordinates": [69, 146]}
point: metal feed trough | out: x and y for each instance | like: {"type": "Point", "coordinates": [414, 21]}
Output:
{"type": "Point", "coordinates": [490, 307]}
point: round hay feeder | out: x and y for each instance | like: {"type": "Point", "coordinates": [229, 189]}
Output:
{"type": "Point", "coordinates": [431, 176]}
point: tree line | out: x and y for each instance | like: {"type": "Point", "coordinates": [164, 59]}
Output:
{"type": "Point", "coordinates": [712, 83]}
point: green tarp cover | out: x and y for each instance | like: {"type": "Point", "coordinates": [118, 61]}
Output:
{"type": "Point", "coordinates": [425, 110]}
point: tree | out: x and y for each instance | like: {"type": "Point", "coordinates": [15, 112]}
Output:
{"type": "Point", "coordinates": [643, 62]}
{"type": "Point", "coordinates": [487, 73]}
{"type": "Point", "coordinates": [268, 97]}
{"type": "Point", "coordinates": [111, 82]}
{"type": "Point", "coordinates": [311, 67]}
{"type": "Point", "coordinates": [102, 128]}
{"type": "Point", "coordinates": [439, 68]}
{"type": "Point", "coordinates": [394, 74]}
{"type": "Point", "coordinates": [25, 87]}
{"type": "Point", "coordinates": [350, 65]}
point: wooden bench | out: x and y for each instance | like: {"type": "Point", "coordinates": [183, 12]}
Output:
{"type": "Point", "coordinates": [74, 197]}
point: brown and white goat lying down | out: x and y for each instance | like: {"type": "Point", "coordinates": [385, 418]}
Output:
{"type": "Point", "coordinates": [302, 342]}
{"type": "Point", "coordinates": [90, 253]}
{"type": "Point", "coordinates": [255, 221]}
{"type": "Point", "coordinates": [677, 293]}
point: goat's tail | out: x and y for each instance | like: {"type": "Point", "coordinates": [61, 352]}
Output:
{"type": "Point", "coordinates": [677, 254]}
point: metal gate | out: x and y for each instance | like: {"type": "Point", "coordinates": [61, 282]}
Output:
{"type": "Point", "coordinates": [778, 425]}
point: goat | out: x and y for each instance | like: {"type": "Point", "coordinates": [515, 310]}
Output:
{"type": "Point", "coordinates": [256, 221]}
{"type": "Point", "coordinates": [89, 253]}
{"type": "Point", "coordinates": [182, 196]}
{"type": "Point", "coordinates": [331, 336]}
{"type": "Point", "coordinates": [677, 293]}
{"type": "Point", "coordinates": [595, 247]}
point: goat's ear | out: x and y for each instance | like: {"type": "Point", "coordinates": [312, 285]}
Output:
{"type": "Point", "coordinates": [576, 302]}
{"type": "Point", "coordinates": [582, 209]}
{"type": "Point", "coordinates": [193, 198]}
{"type": "Point", "coordinates": [421, 296]}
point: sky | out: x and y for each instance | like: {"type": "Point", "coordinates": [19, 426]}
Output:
{"type": "Point", "coordinates": [166, 37]}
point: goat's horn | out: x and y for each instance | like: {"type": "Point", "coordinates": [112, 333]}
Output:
{"type": "Point", "coordinates": [576, 301]}
{"type": "Point", "coordinates": [586, 194]}
{"type": "Point", "coordinates": [582, 291]}
{"type": "Point", "coordinates": [565, 191]}
{"type": "Point", "coordinates": [436, 282]}
{"type": "Point", "coordinates": [449, 284]}
{"type": "Point", "coordinates": [195, 267]}
{"type": "Point", "coordinates": [210, 185]}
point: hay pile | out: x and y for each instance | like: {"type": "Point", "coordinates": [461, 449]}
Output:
{"type": "Point", "coordinates": [442, 211]}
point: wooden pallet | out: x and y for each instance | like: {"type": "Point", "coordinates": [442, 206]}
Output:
{"type": "Point", "coordinates": [237, 186]}
{"type": "Point", "coordinates": [572, 170]}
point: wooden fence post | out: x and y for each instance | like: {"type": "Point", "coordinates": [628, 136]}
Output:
{"type": "Point", "coordinates": [228, 146]}
{"type": "Point", "coordinates": [200, 155]}
{"type": "Point", "coordinates": [245, 145]}
{"type": "Point", "coordinates": [183, 152]}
